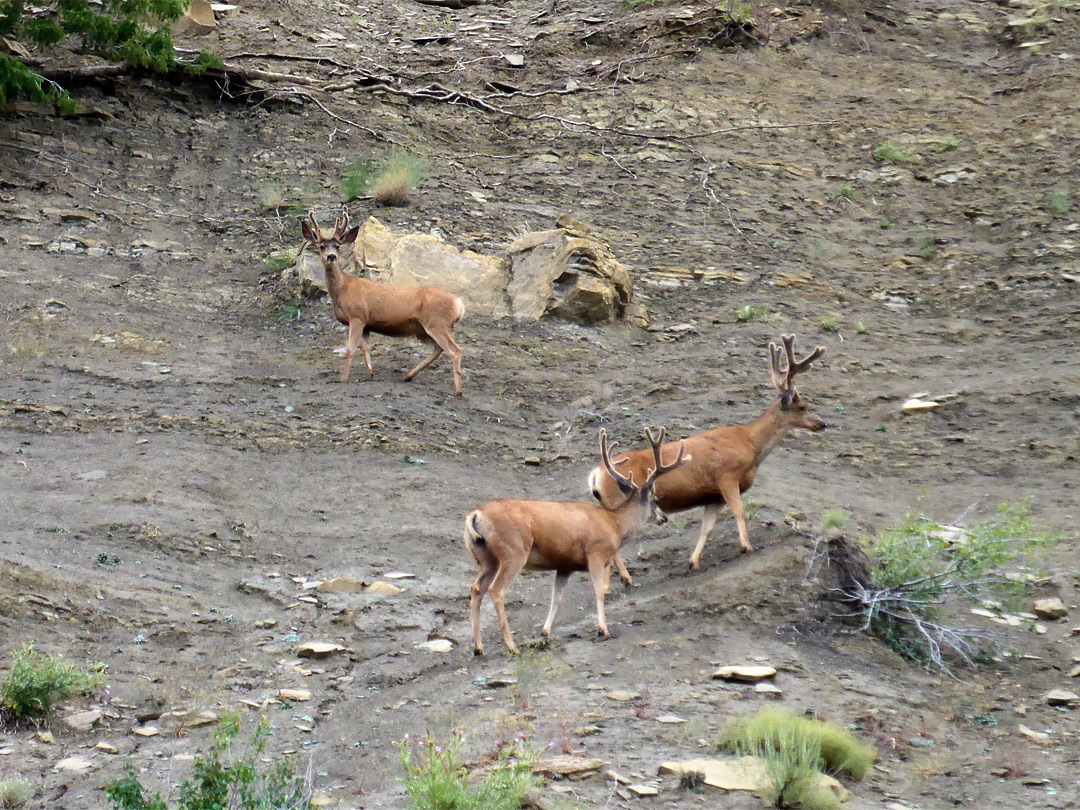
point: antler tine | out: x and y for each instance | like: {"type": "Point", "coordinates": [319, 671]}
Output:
{"type": "Point", "coordinates": [656, 438]}
{"type": "Point", "coordinates": [779, 378]}
{"type": "Point", "coordinates": [341, 223]}
{"type": "Point", "coordinates": [314, 223]}
{"type": "Point", "coordinates": [625, 482]}
{"type": "Point", "coordinates": [798, 367]}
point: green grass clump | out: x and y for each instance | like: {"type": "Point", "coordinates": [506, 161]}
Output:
{"type": "Point", "coordinates": [833, 520]}
{"type": "Point", "coordinates": [15, 793]}
{"type": "Point", "coordinates": [436, 779]}
{"type": "Point", "coordinates": [847, 191]}
{"type": "Point", "coordinates": [747, 313]}
{"type": "Point", "coordinates": [946, 143]}
{"type": "Point", "coordinates": [279, 260]}
{"type": "Point", "coordinates": [355, 179]}
{"type": "Point", "coordinates": [36, 681]}
{"type": "Point", "coordinates": [829, 323]}
{"type": "Point", "coordinates": [397, 177]}
{"type": "Point", "coordinates": [223, 781]}
{"type": "Point", "coordinates": [888, 153]}
{"type": "Point", "coordinates": [1060, 202]}
{"type": "Point", "coordinates": [821, 745]}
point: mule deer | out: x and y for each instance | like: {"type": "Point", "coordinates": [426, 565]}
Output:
{"type": "Point", "coordinates": [426, 313]}
{"type": "Point", "coordinates": [726, 459]}
{"type": "Point", "coordinates": [507, 535]}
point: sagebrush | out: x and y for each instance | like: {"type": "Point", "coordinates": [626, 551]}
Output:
{"type": "Point", "coordinates": [36, 681]}
{"type": "Point", "coordinates": [436, 779]}
{"type": "Point", "coordinates": [222, 781]}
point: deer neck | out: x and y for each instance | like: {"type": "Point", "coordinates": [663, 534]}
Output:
{"type": "Point", "coordinates": [767, 431]}
{"type": "Point", "coordinates": [335, 278]}
{"type": "Point", "coordinates": [629, 515]}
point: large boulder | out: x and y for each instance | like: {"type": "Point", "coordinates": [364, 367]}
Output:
{"type": "Point", "coordinates": [564, 273]}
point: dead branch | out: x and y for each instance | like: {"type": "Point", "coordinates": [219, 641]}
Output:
{"type": "Point", "coordinates": [457, 5]}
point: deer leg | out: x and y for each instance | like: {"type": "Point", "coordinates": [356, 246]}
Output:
{"type": "Point", "coordinates": [708, 522]}
{"type": "Point", "coordinates": [476, 597]}
{"type": "Point", "coordinates": [447, 344]}
{"type": "Point", "coordinates": [556, 600]}
{"type": "Point", "coordinates": [508, 569]}
{"type": "Point", "coordinates": [596, 574]}
{"type": "Point", "coordinates": [624, 575]}
{"type": "Point", "coordinates": [435, 354]}
{"type": "Point", "coordinates": [733, 498]}
{"type": "Point", "coordinates": [356, 338]}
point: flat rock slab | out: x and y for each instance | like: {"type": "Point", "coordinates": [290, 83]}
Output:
{"type": "Point", "coordinates": [567, 766]}
{"type": "Point", "coordinates": [436, 645]}
{"type": "Point", "coordinates": [622, 695]}
{"type": "Point", "coordinates": [744, 674]}
{"type": "Point", "coordinates": [1062, 697]}
{"type": "Point", "coordinates": [73, 765]}
{"type": "Point", "coordinates": [83, 721]}
{"type": "Point", "coordinates": [294, 695]}
{"type": "Point", "coordinates": [746, 773]}
{"type": "Point", "coordinates": [318, 649]}
{"type": "Point", "coordinates": [1052, 608]}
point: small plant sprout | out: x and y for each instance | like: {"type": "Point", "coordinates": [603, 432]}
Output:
{"type": "Point", "coordinates": [398, 176]}
{"type": "Point", "coordinates": [946, 143]}
{"type": "Point", "coordinates": [925, 245]}
{"type": "Point", "coordinates": [833, 520]}
{"type": "Point", "coordinates": [861, 328]}
{"type": "Point", "coordinates": [888, 153]}
{"type": "Point", "coordinates": [829, 323]}
{"type": "Point", "coordinates": [747, 313]}
{"type": "Point", "coordinates": [1060, 202]}
{"type": "Point", "coordinates": [847, 192]}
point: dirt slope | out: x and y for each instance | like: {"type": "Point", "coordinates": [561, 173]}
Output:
{"type": "Point", "coordinates": [155, 408]}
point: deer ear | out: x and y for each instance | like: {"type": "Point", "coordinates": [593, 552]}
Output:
{"type": "Point", "coordinates": [350, 236]}
{"type": "Point", "coordinates": [308, 233]}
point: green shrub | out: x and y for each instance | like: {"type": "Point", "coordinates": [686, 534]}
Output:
{"type": "Point", "coordinates": [36, 681]}
{"type": "Point", "coordinates": [820, 745]}
{"type": "Point", "coordinates": [397, 177]}
{"type": "Point", "coordinates": [887, 153]}
{"type": "Point", "coordinates": [920, 566]}
{"type": "Point", "coordinates": [135, 32]}
{"type": "Point", "coordinates": [1060, 202]}
{"type": "Point", "coordinates": [221, 782]}
{"type": "Point", "coordinates": [354, 180]}
{"type": "Point", "coordinates": [435, 778]}
{"type": "Point", "coordinates": [15, 793]}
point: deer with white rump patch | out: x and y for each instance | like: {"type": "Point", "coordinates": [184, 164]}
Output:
{"type": "Point", "coordinates": [507, 535]}
{"type": "Point", "coordinates": [726, 459]}
{"type": "Point", "coordinates": [425, 313]}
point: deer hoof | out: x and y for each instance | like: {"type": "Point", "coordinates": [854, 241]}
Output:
{"type": "Point", "coordinates": [478, 651]}
{"type": "Point", "coordinates": [747, 549]}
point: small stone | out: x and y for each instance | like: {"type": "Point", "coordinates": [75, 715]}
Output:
{"type": "Point", "coordinates": [322, 800]}
{"type": "Point", "coordinates": [184, 718]}
{"type": "Point", "coordinates": [436, 645]}
{"type": "Point", "coordinates": [107, 748]}
{"type": "Point", "coordinates": [767, 690]}
{"type": "Point", "coordinates": [586, 731]}
{"type": "Point", "coordinates": [1062, 697]}
{"type": "Point", "coordinates": [644, 790]}
{"type": "Point", "coordinates": [671, 719]}
{"type": "Point", "coordinates": [744, 674]}
{"type": "Point", "coordinates": [916, 405]}
{"type": "Point", "coordinates": [1074, 672]}
{"type": "Point", "coordinates": [532, 461]}
{"type": "Point", "coordinates": [1039, 737]}
{"type": "Point", "coordinates": [1052, 608]}
{"type": "Point", "coordinates": [622, 695]}
{"type": "Point", "coordinates": [46, 737]}
{"type": "Point", "coordinates": [146, 731]}
{"type": "Point", "coordinates": [318, 649]}
{"type": "Point", "coordinates": [496, 681]}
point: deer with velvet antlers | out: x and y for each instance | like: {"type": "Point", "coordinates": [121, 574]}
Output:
{"type": "Point", "coordinates": [726, 459]}
{"type": "Point", "coordinates": [504, 536]}
{"type": "Point", "coordinates": [365, 306]}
